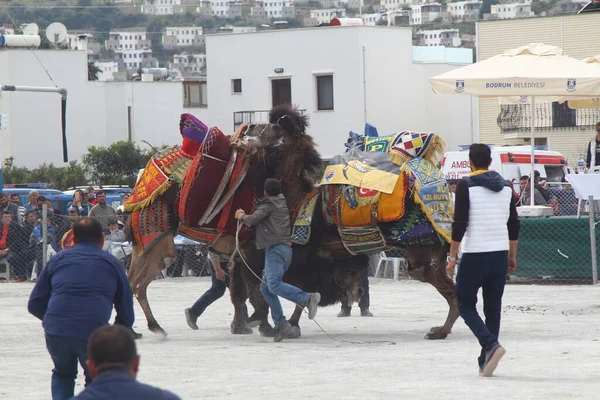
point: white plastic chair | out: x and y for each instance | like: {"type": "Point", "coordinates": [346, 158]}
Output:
{"type": "Point", "coordinates": [595, 170]}
{"type": "Point", "coordinates": [396, 262]}
{"type": "Point", "coordinates": [5, 269]}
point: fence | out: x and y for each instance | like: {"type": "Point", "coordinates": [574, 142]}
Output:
{"type": "Point", "coordinates": [554, 249]}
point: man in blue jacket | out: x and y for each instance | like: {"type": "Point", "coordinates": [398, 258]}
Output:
{"type": "Point", "coordinates": [73, 296]}
{"type": "Point", "coordinates": [114, 363]}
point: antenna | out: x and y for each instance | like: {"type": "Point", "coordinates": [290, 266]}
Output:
{"type": "Point", "coordinates": [31, 29]}
{"type": "Point", "coordinates": [56, 33]}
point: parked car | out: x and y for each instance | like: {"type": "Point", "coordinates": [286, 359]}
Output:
{"type": "Point", "coordinates": [59, 200]}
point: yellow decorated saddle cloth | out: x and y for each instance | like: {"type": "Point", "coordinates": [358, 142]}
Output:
{"type": "Point", "coordinates": [166, 167]}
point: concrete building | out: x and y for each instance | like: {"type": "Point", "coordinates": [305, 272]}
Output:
{"type": "Point", "coordinates": [108, 69]}
{"type": "Point", "coordinates": [443, 37]}
{"type": "Point", "coordinates": [269, 9]}
{"type": "Point", "coordinates": [510, 11]}
{"type": "Point", "coordinates": [425, 13]}
{"type": "Point", "coordinates": [465, 10]}
{"type": "Point", "coordinates": [557, 126]}
{"type": "Point", "coordinates": [321, 16]}
{"type": "Point", "coordinates": [395, 4]}
{"type": "Point", "coordinates": [163, 7]}
{"type": "Point", "coordinates": [133, 47]}
{"type": "Point", "coordinates": [183, 36]}
{"type": "Point", "coordinates": [98, 113]}
{"type": "Point", "coordinates": [189, 64]}
{"type": "Point", "coordinates": [237, 29]}
{"type": "Point", "coordinates": [355, 74]}
{"type": "Point", "coordinates": [371, 19]}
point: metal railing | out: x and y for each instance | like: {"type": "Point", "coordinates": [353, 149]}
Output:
{"type": "Point", "coordinates": [547, 117]}
{"type": "Point", "coordinates": [253, 116]}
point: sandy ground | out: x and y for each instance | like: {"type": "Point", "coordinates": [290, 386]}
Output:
{"type": "Point", "coordinates": [551, 334]}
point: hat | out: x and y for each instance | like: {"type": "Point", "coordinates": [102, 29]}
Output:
{"type": "Point", "coordinates": [193, 131]}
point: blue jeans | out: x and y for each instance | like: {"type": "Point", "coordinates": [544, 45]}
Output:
{"type": "Point", "coordinates": [277, 261]}
{"type": "Point", "coordinates": [215, 292]}
{"type": "Point", "coordinates": [486, 271]}
{"type": "Point", "coordinates": [65, 352]}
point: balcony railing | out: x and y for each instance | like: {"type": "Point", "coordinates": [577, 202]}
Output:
{"type": "Point", "coordinates": [547, 117]}
{"type": "Point", "coordinates": [255, 116]}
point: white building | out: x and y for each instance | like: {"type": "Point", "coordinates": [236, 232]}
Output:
{"type": "Point", "coordinates": [355, 74]}
{"type": "Point", "coordinates": [98, 113]}
{"type": "Point", "coordinates": [162, 7]}
{"type": "Point", "coordinates": [190, 64]}
{"type": "Point", "coordinates": [274, 9]}
{"type": "Point", "coordinates": [322, 16]}
{"type": "Point", "coordinates": [443, 37]}
{"type": "Point", "coordinates": [395, 4]}
{"type": "Point", "coordinates": [134, 48]}
{"type": "Point", "coordinates": [425, 13]}
{"type": "Point", "coordinates": [371, 19]}
{"type": "Point", "coordinates": [465, 10]}
{"type": "Point", "coordinates": [107, 70]}
{"type": "Point", "coordinates": [182, 36]}
{"type": "Point", "coordinates": [237, 29]}
{"type": "Point", "coordinates": [510, 11]}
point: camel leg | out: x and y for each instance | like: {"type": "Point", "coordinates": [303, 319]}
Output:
{"type": "Point", "coordinates": [239, 295]}
{"type": "Point", "coordinates": [261, 308]}
{"type": "Point", "coordinates": [445, 286]}
{"type": "Point", "coordinates": [142, 298]}
{"type": "Point", "coordinates": [295, 320]}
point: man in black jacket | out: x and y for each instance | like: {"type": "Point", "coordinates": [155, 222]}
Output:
{"type": "Point", "coordinates": [273, 233]}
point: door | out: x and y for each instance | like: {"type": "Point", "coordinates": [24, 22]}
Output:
{"type": "Point", "coordinates": [281, 90]}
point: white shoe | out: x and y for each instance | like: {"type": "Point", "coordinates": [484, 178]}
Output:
{"type": "Point", "coordinates": [313, 304]}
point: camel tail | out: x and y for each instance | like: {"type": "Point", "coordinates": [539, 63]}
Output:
{"type": "Point", "coordinates": [129, 232]}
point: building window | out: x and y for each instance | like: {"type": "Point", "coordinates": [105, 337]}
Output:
{"type": "Point", "coordinates": [236, 85]}
{"type": "Point", "coordinates": [194, 94]}
{"type": "Point", "coordinates": [325, 92]}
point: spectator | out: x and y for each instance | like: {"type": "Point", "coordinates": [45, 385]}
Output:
{"type": "Point", "coordinates": [79, 204]}
{"type": "Point", "coordinates": [32, 205]}
{"type": "Point", "coordinates": [28, 252]}
{"type": "Point", "coordinates": [541, 186]}
{"type": "Point", "coordinates": [525, 199]}
{"type": "Point", "coordinates": [566, 199]}
{"type": "Point", "coordinates": [36, 239]}
{"type": "Point", "coordinates": [115, 235]}
{"type": "Point", "coordinates": [113, 363]}
{"type": "Point", "coordinates": [16, 200]}
{"type": "Point", "coordinates": [121, 219]}
{"type": "Point", "coordinates": [452, 188]}
{"type": "Point", "coordinates": [91, 199]}
{"type": "Point", "coordinates": [10, 241]}
{"type": "Point", "coordinates": [102, 211]}
{"type": "Point", "coordinates": [364, 302]}
{"type": "Point", "coordinates": [593, 151]}
{"type": "Point", "coordinates": [6, 205]}
{"type": "Point", "coordinates": [74, 296]}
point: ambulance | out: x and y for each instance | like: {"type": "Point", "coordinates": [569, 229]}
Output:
{"type": "Point", "coordinates": [511, 162]}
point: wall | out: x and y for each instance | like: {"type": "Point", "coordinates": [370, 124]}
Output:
{"type": "Point", "coordinates": [96, 111]}
{"type": "Point", "coordinates": [569, 32]}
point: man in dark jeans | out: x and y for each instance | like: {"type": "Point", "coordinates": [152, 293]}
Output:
{"type": "Point", "coordinates": [74, 295]}
{"type": "Point", "coordinates": [220, 281]}
{"type": "Point", "coordinates": [487, 224]}
{"type": "Point", "coordinates": [364, 302]}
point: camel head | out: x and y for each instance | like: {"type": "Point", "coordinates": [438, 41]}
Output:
{"type": "Point", "coordinates": [347, 274]}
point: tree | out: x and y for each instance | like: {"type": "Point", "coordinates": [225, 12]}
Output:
{"type": "Point", "coordinates": [93, 71]}
{"type": "Point", "coordinates": [60, 178]}
{"type": "Point", "coordinates": [117, 164]}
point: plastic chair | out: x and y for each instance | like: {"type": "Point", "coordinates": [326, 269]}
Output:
{"type": "Point", "coordinates": [396, 262]}
{"type": "Point", "coordinates": [5, 269]}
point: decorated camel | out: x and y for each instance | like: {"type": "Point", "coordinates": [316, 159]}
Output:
{"type": "Point", "coordinates": [194, 189]}
{"type": "Point", "coordinates": [384, 193]}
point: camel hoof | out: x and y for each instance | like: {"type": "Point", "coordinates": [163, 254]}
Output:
{"type": "Point", "coordinates": [241, 330]}
{"type": "Point", "coordinates": [266, 330]}
{"type": "Point", "coordinates": [158, 330]}
{"type": "Point", "coordinates": [436, 333]}
{"type": "Point", "coordinates": [295, 334]}
{"type": "Point", "coordinates": [136, 335]}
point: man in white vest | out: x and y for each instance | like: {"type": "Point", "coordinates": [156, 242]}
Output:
{"type": "Point", "coordinates": [593, 153]}
{"type": "Point", "coordinates": [487, 225]}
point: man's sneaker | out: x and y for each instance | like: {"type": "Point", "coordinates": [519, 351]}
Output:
{"type": "Point", "coordinates": [492, 358]}
{"type": "Point", "coordinates": [190, 318]}
{"type": "Point", "coordinates": [313, 304]}
{"type": "Point", "coordinates": [286, 331]}
{"type": "Point", "coordinates": [366, 313]}
{"type": "Point", "coordinates": [345, 312]}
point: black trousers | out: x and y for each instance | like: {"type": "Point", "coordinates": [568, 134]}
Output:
{"type": "Point", "coordinates": [488, 272]}
{"type": "Point", "coordinates": [365, 300]}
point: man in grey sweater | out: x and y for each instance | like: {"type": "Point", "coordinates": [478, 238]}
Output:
{"type": "Point", "coordinates": [273, 234]}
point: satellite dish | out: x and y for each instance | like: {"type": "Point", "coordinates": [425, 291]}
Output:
{"type": "Point", "coordinates": [56, 33]}
{"type": "Point", "coordinates": [31, 29]}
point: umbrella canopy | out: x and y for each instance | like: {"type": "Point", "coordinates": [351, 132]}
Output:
{"type": "Point", "coordinates": [532, 70]}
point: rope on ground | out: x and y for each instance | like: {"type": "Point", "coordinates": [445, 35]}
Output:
{"type": "Point", "coordinates": [237, 248]}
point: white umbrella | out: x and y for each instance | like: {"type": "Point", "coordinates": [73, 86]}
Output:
{"type": "Point", "coordinates": [532, 70]}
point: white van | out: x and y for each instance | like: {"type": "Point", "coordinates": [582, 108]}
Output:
{"type": "Point", "coordinates": [511, 162]}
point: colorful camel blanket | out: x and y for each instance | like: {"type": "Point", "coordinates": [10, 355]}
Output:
{"type": "Point", "coordinates": [431, 193]}
{"type": "Point", "coordinates": [152, 223]}
{"type": "Point", "coordinates": [413, 229]}
{"type": "Point", "coordinates": [367, 170]}
{"type": "Point", "coordinates": [301, 228]}
{"type": "Point", "coordinates": [165, 167]}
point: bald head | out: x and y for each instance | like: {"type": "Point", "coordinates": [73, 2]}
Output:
{"type": "Point", "coordinates": [112, 346]}
{"type": "Point", "coordinates": [88, 230]}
